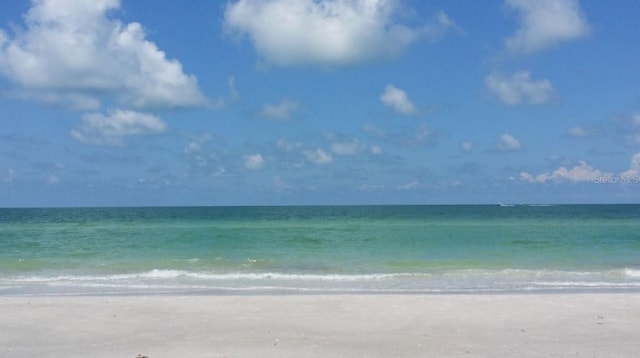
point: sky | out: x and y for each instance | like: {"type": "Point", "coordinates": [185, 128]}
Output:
{"type": "Point", "coordinates": [318, 102]}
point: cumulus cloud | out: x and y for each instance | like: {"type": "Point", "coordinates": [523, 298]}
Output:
{"type": "Point", "coordinates": [318, 156]}
{"type": "Point", "coordinates": [111, 129]}
{"type": "Point", "coordinates": [327, 32]}
{"type": "Point", "coordinates": [545, 23]}
{"type": "Point", "coordinates": [398, 100]}
{"type": "Point", "coordinates": [634, 169]}
{"type": "Point", "coordinates": [508, 143]}
{"type": "Point", "coordinates": [583, 172]}
{"type": "Point", "coordinates": [75, 53]}
{"type": "Point", "coordinates": [282, 111]}
{"type": "Point", "coordinates": [519, 88]}
{"type": "Point", "coordinates": [196, 143]}
{"type": "Point", "coordinates": [254, 161]}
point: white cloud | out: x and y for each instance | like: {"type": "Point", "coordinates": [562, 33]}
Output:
{"type": "Point", "coordinates": [544, 23]}
{"type": "Point", "coordinates": [53, 179]}
{"type": "Point", "coordinates": [371, 187]}
{"type": "Point", "coordinates": [375, 150]}
{"type": "Point", "coordinates": [201, 139]}
{"type": "Point", "coordinates": [282, 111]}
{"type": "Point", "coordinates": [412, 136]}
{"type": "Point", "coordinates": [630, 126]}
{"type": "Point", "coordinates": [327, 32]}
{"type": "Point", "coordinates": [286, 146]}
{"type": "Point", "coordinates": [74, 52]}
{"type": "Point", "coordinates": [318, 156]}
{"type": "Point", "coordinates": [422, 134]}
{"type": "Point", "coordinates": [410, 186]}
{"type": "Point", "coordinates": [9, 176]}
{"type": "Point", "coordinates": [254, 161]}
{"type": "Point", "coordinates": [111, 129]}
{"type": "Point", "coordinates": [508, 143]}
{"type": "Point", "coordinates": [218, 103]}
{"type": "Point", "coordinates": [373, 130]}
{"type": "Point", "coordinates": [634, 169]}
{"type": "Point", "coordinates": [583, 172]}
{"type": "Point", "coordinates": [579, 132]}
{"type": "Point", "coordinates": [346, 148]}
{"type": "Point", "coordinates": [194, 148]}
{"type": "Point", "coordinates": [398, 100]}
{"type": "Point", "coordinates": [440, 23]}
{"type": "Point", "coordinates": [280, 185]}
{"type": "Point", "coordinates": [525, 176]}
{"type": "Point", "coordinates": [467, 146]}
{"type": "Point", "coordinates": [218, 173]}
{"type": "Point", "coordinates": [519, 88]}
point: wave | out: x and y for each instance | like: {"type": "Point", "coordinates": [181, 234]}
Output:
{"type": "Point", "coordinates": [472, 280]}
{"type": "Point", "coordinates": [164, 274]}
{"type": "Point", "coordinates": [160, 273]}
{"type": "Point", "coordinates": [178, 274]}
{"type": "Point", "coordinates": [632, 273]}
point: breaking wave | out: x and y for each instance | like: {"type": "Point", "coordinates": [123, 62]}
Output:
{"type": "Point", "coordinates": [473, 280]}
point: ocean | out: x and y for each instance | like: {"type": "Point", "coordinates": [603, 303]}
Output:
{"type": "Point", "coordinates": [320, 249]}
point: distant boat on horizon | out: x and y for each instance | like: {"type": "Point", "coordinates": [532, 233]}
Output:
{"type": "Point", "coordinates": [532, 205]}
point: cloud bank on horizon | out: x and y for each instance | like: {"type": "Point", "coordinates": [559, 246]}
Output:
{"type": "Point", "coordinates": [116, 102]}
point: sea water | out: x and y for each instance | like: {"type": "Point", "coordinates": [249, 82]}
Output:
{"type": "Point", "coordinates": [319, 249]}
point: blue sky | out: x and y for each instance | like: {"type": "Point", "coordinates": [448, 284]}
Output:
{"type": "Point", "coordinates": [256, 102]}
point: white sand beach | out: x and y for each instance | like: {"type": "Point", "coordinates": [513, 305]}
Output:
{"type": "Point", "coordinates": [502, 325]}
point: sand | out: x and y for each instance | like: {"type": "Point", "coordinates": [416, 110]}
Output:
{"type": "Point", "coordinates": [502, 325]}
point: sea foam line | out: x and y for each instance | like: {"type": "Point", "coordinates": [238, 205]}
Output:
{"type": "Point", "coordinates": [177, 274]}
{"type": "Point", "coordinates": [511, 274]}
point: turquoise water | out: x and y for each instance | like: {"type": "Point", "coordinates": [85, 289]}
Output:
{"type": "Point", "coordinates": [391, 249]}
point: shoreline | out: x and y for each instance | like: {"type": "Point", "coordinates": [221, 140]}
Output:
{"type": "Point", "coordinates": [203, 282]}
{"type": "Point", "coordinates": [320, 325]}
{"type": "Point", "coordinates": [276, 292]}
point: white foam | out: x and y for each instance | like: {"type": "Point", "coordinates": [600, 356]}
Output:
{"type": "Point", "coordinates": [158, 274]}
{"type": "Point", "coordinates": [473, 280]}
{"type": "Point", "coordinates": [578, 284]}
{"type": "Point", "coordinates": [634, 273]}
{"type": "Point", "coordinates": [270, 276]}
